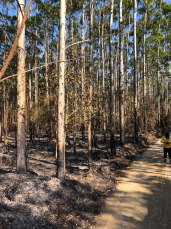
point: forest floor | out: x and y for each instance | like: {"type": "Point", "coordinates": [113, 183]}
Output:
{"type": "Point", "coordinates": [39, 200]}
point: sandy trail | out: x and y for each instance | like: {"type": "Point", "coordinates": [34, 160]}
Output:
{"type": "Point", "coordinates": [143, 197]}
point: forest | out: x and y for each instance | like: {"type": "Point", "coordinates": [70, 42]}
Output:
{"type": "Point", "coordinates": [79, 80]}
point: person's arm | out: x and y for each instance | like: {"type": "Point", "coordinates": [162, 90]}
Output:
{"type": "Point", "coordinates": [162, 140]}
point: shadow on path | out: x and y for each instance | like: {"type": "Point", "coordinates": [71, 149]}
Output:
{"type": "Point", "coordinates": [142, 199]}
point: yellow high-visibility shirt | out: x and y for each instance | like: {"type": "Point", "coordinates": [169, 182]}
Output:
{"type": "Point", "coordinates": [164, 140]}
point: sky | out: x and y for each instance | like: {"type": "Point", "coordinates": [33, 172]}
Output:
{"type": "Point", "coordinates": [14, 11]}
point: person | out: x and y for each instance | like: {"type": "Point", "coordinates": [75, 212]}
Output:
{"type": "Point", "coordinates": [166, 140]}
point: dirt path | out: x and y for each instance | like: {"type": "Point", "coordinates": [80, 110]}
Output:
{"type": "Point", "coordinates": [143, 197]}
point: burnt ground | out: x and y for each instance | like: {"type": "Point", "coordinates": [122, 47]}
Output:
{"type": "Point", "coordinates": [39, 199]}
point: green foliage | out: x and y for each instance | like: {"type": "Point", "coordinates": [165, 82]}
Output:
{"type": "Point", "coordinates": [76, 103]}
{"type": "Point", "coordinates": [166, 8]}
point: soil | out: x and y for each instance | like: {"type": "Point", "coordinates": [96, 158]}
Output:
{"type": "Point", "coordinates": [39, 199]}
{"type": "Point", "coordinates": [142, 197]}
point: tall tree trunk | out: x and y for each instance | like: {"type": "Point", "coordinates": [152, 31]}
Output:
{"type": "Point", "coordinates": [166, 95]}
{"type": "Point", "coordinates": [56, 102]}
{"type": "Point", "coordinates": [116, 81]}
{"type": "Point", "coordinates": [103, 80]}
{"type": "Point", "coordinates": [21, 95]}
{"type": "Point", "coordinates": [167, 123]}
{"type": "Point", "coordinates": [135, 75]}
{"type": "Point", "coordinates": [121, 78]}
{"type": "Point", "coordinates": [61, 93]}
{"type": "Point", "coordinates": [112, 143]}
{"type": "Point", "coordinates": [5, 114]}
{"type": "Point", "coordinates": [36, 75]}
{"type": "Point", "coordinates": [46, 58]}
{"type": "Point", "coordinates": [163, 99]}
{"type": "Point", "coordinates": [141, 122]}
{"type": "Point", "coordinates": [99, 72]}
{"type": "Point", "coordinates": [138, 90]}
{"type": "Point", "coordinates": [166, 102]}
{"type": "Point", "coordinates": [158, 76]}
{"type": "Point", "coordinates": [73, 71]}
{"type": "Point", "coordinates": [144, 73]}
{"type": "Point", "coordinates": [3, 84]}
{"type": "Point", "coordinates": [30, 83]}
{"type": "Point", "coordinates": [90, 84]}
{"type": "Point", "coordinates": [6, 120]}
{"type": "Point", "coordinates": [35, 126]}
{"type": "Point", "coordinates": [30, 86]}
{"type": "Point", "coordinates": [83, 68]}
{"type": "Point", "coordinates": [127, 55]}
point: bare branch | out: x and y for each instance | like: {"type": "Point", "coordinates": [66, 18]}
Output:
{"type": "Point", "coordinates": [79, 42]}
{"type": "Point", "coordinates": [20, 8]}
{"type": "Point", "coordinates": [15, 42]}
{"type": "Point", "coordinates": [8, 77]}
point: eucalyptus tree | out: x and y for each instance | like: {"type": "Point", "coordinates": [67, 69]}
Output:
{"type": "Point", "coordinates": [103, 75]}
{"type": "Point", "coordinates": [98, 71]}
{"type": "Point", "coordinates": [90, 84]}
{"type": "Point", "coordinates": [46, 46]}
{"type": "Point", "coordinates": [135, 75]}
{"type": "Point", "coordinates": [158, 71]}
{"type": "Point", "coordinates": [35, 62]}
{"type": "Point", "coordinates": [112, 117]}
{"type": "Point", "coordinates": [121, 77]}
{"type": "Point", "coordinates": [30, 73]}
{"type": "Point", "coordinates": [165, 57]}
{"type": "Point", "coordinates": [61, 93]}
{"type": "Point", "coordinates": [144, 68]}
{"type": "Point", "coordinates": [21, 94]}
{"type": "Point", "coordinates": [83, 66]}
{"type": "Point", "coordinates": [4, 97]}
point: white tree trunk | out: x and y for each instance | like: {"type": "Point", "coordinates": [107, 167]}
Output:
{"type": "Point", "coordinates": [30, 73]}
{"type": "Point", "coordinates": [36, 75]}
{"type": "Point", "coordinates": [83, 68]}
{"type": "Point", "coordinates": [21, 95]}
{"type": "Point", "coordinates": [103, 79]}
{"type": "Point", "coordinates": [158, 80]}
{"type": "Point", "coordinates": [112, 144]}
{"type": "Point", "coordinates": [135, 75]}
{"type": "Point", "coordinates": [144, 73]}
{"type": "Point", "coordinates": [121, 77]}
{"type": "Point", "coordinates": [46, 58]}
{"type": "Point", "coordinates": [61, 93]}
